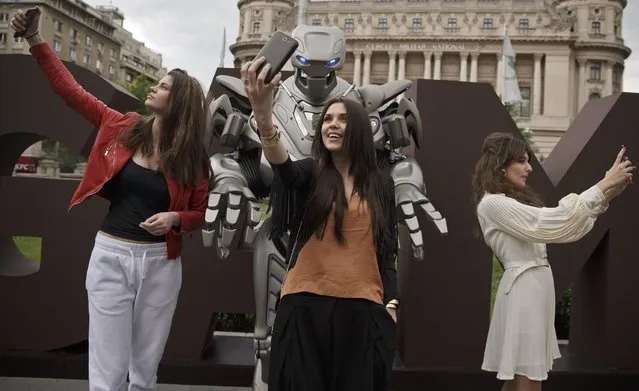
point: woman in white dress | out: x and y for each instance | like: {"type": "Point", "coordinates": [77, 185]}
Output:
{"type": "Point", "coordinates": [521, 343]}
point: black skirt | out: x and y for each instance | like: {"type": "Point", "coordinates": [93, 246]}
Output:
{"type": "Point", "coordinates": [322, 343]}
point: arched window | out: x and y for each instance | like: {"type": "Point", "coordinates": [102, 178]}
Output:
{"type": "Point", "coordinates": [594, 95]}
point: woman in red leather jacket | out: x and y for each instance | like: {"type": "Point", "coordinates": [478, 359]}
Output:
{"type": "Point", "coordinates": [154, 171]}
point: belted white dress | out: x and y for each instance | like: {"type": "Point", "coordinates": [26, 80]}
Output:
{"type": "Point", "coordinates": [521, 338]}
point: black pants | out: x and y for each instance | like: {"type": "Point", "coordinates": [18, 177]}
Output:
{"type": "Point", "coordinates": [324, 343]}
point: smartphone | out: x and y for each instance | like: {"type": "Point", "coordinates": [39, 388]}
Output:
{"type": "Point", "coordinates": [279, 49]}
{"type": "Point", "coordinates": [30, 14]}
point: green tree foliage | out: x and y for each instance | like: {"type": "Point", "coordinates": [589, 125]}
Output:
{"type": "Point", "coordinates": [140, 87]}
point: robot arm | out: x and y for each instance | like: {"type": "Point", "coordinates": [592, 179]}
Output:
{"type": "Point", "coordinates": [233, 215]}
{"type": "Point", "coordinates": [410, 194]}
{"type": "Point", "coordinates": [229, 197]}
{"type": "Point", "coordinates": [401, 122]}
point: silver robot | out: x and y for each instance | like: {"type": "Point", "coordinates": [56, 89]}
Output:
{"type": "Point", "coordinates": [243, 176]}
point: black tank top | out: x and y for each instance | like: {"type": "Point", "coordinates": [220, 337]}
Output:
{"type": "Point", "coordinates": [136, 193]}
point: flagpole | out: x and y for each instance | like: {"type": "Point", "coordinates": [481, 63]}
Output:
{"type": "Point", "coordinates": [503, 68]}
{"type": "Point", "coordinates": [223, 51]}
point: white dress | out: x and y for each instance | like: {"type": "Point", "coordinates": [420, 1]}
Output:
{"type": "Point", "coordinates": [521, 338]}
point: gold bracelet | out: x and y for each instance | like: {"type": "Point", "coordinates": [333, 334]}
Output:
{"type": "Point", "coordinates": [394, 304]}
{"type": "Point", "coordinates": [271, 140]}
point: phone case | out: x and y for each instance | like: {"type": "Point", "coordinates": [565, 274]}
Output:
{"type": "Point", "coordinates": [30, 14]}
{"type": "Point", "coordinates": [277, 51]}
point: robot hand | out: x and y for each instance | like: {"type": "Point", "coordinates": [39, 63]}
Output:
{"type": "Point", "coordinates": [222, 221]}
{"type": "Point", "coordinates": [410, 196]}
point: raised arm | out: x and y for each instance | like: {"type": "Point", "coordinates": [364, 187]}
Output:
{"type": "Point", "coordinates": [573, 218]}
{"type": "Point", "coordinates": [261, 97]}
{"type": "Point", "coordinates": [59, 77]}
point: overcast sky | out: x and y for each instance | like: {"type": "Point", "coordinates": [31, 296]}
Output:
{"type": "Point", "coordinates": [188, 33]}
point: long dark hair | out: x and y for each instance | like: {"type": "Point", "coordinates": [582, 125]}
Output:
{"type": "Point", "coordinates": [183, 156]}
{"type": "Point", "coordinates": [328, 194]}
{"type": "Point", "coordinates": [498, 152]}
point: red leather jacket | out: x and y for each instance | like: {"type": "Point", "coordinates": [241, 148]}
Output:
{"type": "Point", "coordinates": [108, 155]}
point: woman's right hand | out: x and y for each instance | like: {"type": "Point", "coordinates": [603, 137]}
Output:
{"type": "Point", "coordinates": [259, 93]}
{"type": "Point", "coordinates": [619, 175]}
{"type": "Point", "coordinates": [19, 23]}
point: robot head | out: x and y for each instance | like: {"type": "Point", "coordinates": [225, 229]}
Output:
{"type": "Point", "coordinates": [320, 53]}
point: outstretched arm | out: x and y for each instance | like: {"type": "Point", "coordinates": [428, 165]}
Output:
{"type": "Point", "coordinates": [261, 97]}
{"type": "Point", "coordinates": [573, 218]}
{"type": "Point", "coordinates": [58, 75]}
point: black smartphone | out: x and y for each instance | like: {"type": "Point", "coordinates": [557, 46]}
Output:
{"type": "Point", "coordinates": [30, 14]}
{"type": "Point", "coordinates": [279, 49]}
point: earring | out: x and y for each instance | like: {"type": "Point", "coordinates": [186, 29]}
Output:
{"type": "Point", "coordinates": [503, 172]}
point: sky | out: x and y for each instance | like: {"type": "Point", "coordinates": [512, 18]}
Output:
{"type": "Point", "coordinates": [189, 34]}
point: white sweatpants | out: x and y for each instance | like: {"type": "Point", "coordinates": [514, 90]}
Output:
{"type": "Point", "coordinates": [133, 291]}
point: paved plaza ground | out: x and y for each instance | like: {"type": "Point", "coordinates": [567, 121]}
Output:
{"type": "Point", "coordinates": [30, 384]}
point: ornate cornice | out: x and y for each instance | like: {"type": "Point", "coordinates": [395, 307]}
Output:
{"type": "Point", "coordinates": [411, 39]}
{"type": "Point", "coordinates": [242, 3]}
{"type": "Point", "coordinates": [624, 50]}
{"type": "Point", "coordinates": [246, 45]}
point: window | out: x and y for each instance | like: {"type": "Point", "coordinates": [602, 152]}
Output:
{"type": "Point", "coordinates": [57, 45]}
{"type": "Point", "coordinates": [3, 39]}
{"type": "Point", "coordinates": [73, 55]}
{"type": "Point", "coordinates": [4, 17]}
{"type": "Point", "coordinates": [256, 27]}
{"type": "Point", "coordinates": [57, 26]}
{"type": "Point", "coordinates": [522, 108]}
{"type": "Point", "coordinates": [488, 24]}
{"type": "Point", "coordinates": [316, 22]}
{"type": "Point", "coordinates": [73, 34]}
{"type": "Point", "coordinates": [452, 25]}
{"type": "Point", "coordinates": [524, 24]}
{"type": "Point", "coordinates": [128, 77]}
{"type": "Point", "coordinates": [595, 71]}
{"type": "Point", "coordinates": [17, 42]}
{"type": "Point", "coordinates": [594, 95]}
{"type": "Point", "coordinates": [417, 24]}
{"type": "Point", "coordinates": [98, 65]}
{"type": "Point", "coordinates": [88, 42]}
{"type": "Point", "coordinates": [112, 53]}
{"type": "Point", "coordinates": [382, 24]}
{"type": "Point", "coordinates": [349, 25]}
{"type": "Point", "coordinates": [111, 70]}
{"type": "Point", "coordinates": [86, 59]}
{"type": "Point", "coordinates": [100, 47]}
{"type": "Point", "coordinates": [595, 28]}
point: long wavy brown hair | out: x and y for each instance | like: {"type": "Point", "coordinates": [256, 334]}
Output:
{"type": "Point", "coordinates": [183, 156]}
{"type": "Point", "coordinates": [368, 180]}
{"type": "Point", "coordinates": [498, 152]}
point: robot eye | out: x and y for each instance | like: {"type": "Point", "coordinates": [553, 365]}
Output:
{"type": "Point", "coordinates": [374, 124]}
{"type": "Point", "coordinates": [332, 62]}
{"type": "Point", "coordinates": [301, 60]}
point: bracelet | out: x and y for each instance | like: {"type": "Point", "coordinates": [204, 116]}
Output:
{"type": "Point", "coordinates": [394, 304]}
{"type": "Point", "coordinates": [272, 140]}
{"type": "Point", "coordinates": [32, 35]}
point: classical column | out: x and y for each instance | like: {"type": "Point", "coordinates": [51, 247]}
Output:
{"type": "Point", "coordinates": [463, 66]}
{"type": "Point", "coordinates": [438, 66]}
{"type": "Point", "coordinates": [427, 68]}
{"type": "Point", "coordinates": [367, 68]}
{"type": "Point", "coordinates": [474, 58]}
{"type": "Point", "coordinates": [498, 82]}
{"type": "Point", "coordinates": [581, 94]}
{"type": "Point", "coordinates": [401, 75]}
{"type": "Point", "coordinates": [609, 71]}
{"type": "Point", "coordinates": [537, 84]}
{"type": "Point", "coordinates": [357, 70]}
{"type": "Point", "coordinates": [392, 54]}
